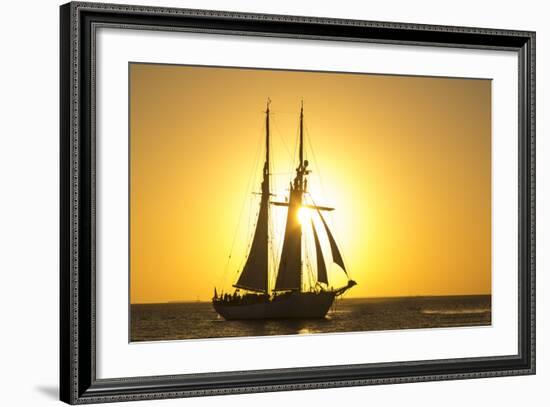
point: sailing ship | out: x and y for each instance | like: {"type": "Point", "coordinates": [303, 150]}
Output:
{"type": "Point", "coordinates": [289, 298]}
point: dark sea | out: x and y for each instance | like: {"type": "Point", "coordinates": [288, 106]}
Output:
{"type": "Point", "coordinates": [195, 320]}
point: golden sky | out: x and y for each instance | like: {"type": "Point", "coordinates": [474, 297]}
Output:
{"type": "Point", "coordinates": [406, 162]}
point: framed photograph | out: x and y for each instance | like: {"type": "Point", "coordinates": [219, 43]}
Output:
{"type": "Point", "coordinates": [255, 203]}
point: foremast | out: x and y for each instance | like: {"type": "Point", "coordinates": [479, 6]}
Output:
{"type": "Point", "coordinates": [255, 273]}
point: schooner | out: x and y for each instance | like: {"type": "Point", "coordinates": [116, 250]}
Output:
{"type": "Point", "coordinates": [288, 298]}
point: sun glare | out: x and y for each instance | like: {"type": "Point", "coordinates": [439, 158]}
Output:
{"type": "Point", "coordinates": [303, 215]}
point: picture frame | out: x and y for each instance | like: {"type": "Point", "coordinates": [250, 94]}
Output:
{"type": "Point", "coordinates": [79, 382]}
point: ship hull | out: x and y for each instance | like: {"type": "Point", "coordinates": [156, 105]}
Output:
{"type": "Point", "coordinates": [291, 306]}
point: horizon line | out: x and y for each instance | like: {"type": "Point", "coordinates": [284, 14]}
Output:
{"type": "Point", "coordinates": [346, 298]}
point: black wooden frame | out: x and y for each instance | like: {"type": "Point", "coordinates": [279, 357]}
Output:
{"type": "Point", "coordinates": [78, 382]}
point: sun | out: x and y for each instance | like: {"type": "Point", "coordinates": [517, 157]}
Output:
{"type": "Point", "coordinates": [304, 215]}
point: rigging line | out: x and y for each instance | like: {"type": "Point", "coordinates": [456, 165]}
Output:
{"type": "Point", "coordinates": [250, 239]}
{"type": "Point", "coordinates": [253, 217]}
{"type": "Point", "coordinates": [296, 142]}
{"type": "Point", "coordinates": [254, 175]}
{"type": "Point", "coordinates": [280, 135]}
{"type": "Point", "coordinates": [308, 262]}
{"type": "Point", "coordinates": [270, 231]}
{"type": "Point", "coordinates": [270, 249]}
{"type": "Point", "coordinates": [288, 112]}
{"type": "Point", "coordinates": [245, 199]}
{"type": "Point", "coordinates": [274, 182]}
{"type": "Point", "coordinates": [274, 214]}
{"type": "Point", "coordinates": [271, 212]}
{"type": "Point", "coordinates": [274, 250]}
{"type": "Point", "coordinates": [291, 162]}
{"type": "Point", "coordinates": [316, 162]}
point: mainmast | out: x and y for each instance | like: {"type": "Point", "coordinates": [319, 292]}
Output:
{"type": "Point", "coordinates": [265, 182]}
{"type": "Point", "coordinates": [266, 192]}
{"type": "Point", "coordinates": [289, 276]}
{"type": "Point", "coordinates": [300, 183]}
{"type": "Point", "coordinates": [302, 134]}
{"type": "Point", "coordinates": [290, 273]}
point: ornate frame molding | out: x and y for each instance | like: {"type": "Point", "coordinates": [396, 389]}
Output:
{"type": "Point", "coordinates": [78, 382]}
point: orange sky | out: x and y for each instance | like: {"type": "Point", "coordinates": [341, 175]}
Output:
{"type": "Point", "coordinates": [406, 162]}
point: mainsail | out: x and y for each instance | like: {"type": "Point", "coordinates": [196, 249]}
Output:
{"type": "Point", "coordinates": [289, 276]}
{"type": "Point", "coordinates": [255, 272]}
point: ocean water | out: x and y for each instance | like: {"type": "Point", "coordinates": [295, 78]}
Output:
{"type": "Point", "coordinates": [194, 320]}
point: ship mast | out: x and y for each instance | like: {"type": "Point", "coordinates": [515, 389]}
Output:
{"type": "Point", "coordinates": [265, 184]}
{"type": "Point", "coordinates": [289, 275]}
{"type": "Point", "coordinates": [300, 184]}
{"type": "Point", "coordinates": [255, 273]}
{"type": "Point", "coordinates": [266, 192]}
{"type": "Point", "coordinates": [302, 135]}
{"type": "Point", "coordinates": [290, 272]}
